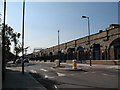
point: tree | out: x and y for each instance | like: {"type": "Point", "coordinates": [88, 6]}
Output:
{"type": "Point", "coordinates": [10, 37]}
{"type": "Point", "coordinates": [18, 49]}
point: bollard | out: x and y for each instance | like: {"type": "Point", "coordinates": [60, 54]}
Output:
{"type": "Point", "coordinates": [74, 64]}
{"type": "Point", "coordinates": [57, 62]}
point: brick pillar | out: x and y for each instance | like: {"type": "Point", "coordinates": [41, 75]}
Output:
{"type": "Point", "coordinates": [77, 55]}
{"type": "Point", "coordinates": [91, 54]}
{"type": "Point", "coordinates": [102, 53]}
{"type": "Point", "coordinates": [112, 52]}
{"type": "Point", "coordinates": [67, 56]}
{"type": "Point", "coordinates": [106, 53]}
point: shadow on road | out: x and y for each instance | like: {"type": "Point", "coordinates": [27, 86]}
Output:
{"type": "Point", "coordinates": [49, 84]}
{"type": "Point", "coordinates": [19, 65]}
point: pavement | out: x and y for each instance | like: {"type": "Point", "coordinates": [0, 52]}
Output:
{"type": "Point", "coordinates": [14, 79]}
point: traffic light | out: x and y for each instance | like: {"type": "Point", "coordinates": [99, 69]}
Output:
{"type": "Point", "coordinates": [18, 35]}
{"type": "Point", "coordinates": [91, 46]}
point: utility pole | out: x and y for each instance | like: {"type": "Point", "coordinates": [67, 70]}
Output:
{"type": "Point", "coordinates": [58, 41]}
{"type": "Point", "coordinates": [23, 37]}
{"type": "Point", "coordinates": [58, 48]}
{"type": "Point", "coordinates": [88, 39]}
{"type": "Point", "coordinates": [3, 43]}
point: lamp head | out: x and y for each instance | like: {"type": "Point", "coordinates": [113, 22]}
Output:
{"type": "Point", "coordinates": [84, 17]}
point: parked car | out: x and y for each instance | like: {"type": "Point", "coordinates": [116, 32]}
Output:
{"type": "Point", "coordinates": [26, 61]}
{"type": "Point", "coordinates": [19, 60]}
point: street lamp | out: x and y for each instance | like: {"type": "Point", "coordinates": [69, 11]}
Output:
{"type": "Point", "coordinates": [58, 48]}
{"type": "Point", "coordinates": [88, 38]}
{"type": "Point", "coordinates": [58, 40]}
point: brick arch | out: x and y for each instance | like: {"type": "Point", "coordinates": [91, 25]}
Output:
{"type": "Point", "coordinates": [80, 53]}
{"type": "Point", "coordinates": [68, 49]}
{"type": "Point", "coordinates": [51, 53]}
{"type": "Point", "coordinates": [80, 48]}
{"type": "Point", "coordinates": [117, 40]}
{"type": "Point", "coordinates": [113, 41]}
{"type": "Point", "coordinates": [69, 53]}
{"type": "Point", "coordinates": [113, 48]}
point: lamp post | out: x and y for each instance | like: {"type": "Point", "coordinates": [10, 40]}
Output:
{"type": "Point", "coordinates": [58, 48]}
{"type": "Point", "coordinates": [88, 39]}
{"type": "Point", "coordinates": [23, 37]}
{"type": "Point", "coordinates": [58, 40]}
{"type": "Point", "coordinates": [3, 43]}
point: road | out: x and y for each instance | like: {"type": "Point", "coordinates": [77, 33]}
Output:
{"type": "Point", "coordinates": [64, 77]}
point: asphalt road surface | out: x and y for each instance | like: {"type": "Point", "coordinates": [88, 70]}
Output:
{"type": "Point", "coordinates": [63, 77]}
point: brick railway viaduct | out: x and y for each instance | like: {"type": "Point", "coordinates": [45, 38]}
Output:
{"type": "Point", "coordinates": [105, 45]}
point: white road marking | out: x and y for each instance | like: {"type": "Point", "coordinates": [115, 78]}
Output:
{"type": "Point", "coordinates": [55, 87]}
{"type": "Point", "coordinates": [61, 74]}
{"type": "Point", "coordinates": [114, 67]}
{"type": "Point", "coordinates": [72, 74]}
{"type": "Point", "coordinates": [93, 72]}
{"type": "Point", "coordinates": [85, 72]}
{"type": "Point", "coordinates": [105, 74]}
{"type": "Point", "coordinates": [44, 70]}
{"type": "Point", "coordinates": [33, 71]}
{"type": "Point", "coordinates": [51, 68]}
{"type": "Point", "coordinates": [46, 76]}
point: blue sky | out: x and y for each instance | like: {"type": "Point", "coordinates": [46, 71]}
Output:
{"type": "Point", "coordinates": [43, 19]}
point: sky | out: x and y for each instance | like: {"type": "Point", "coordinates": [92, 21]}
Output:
{"type": "Point", "coordinates": [44, 19]}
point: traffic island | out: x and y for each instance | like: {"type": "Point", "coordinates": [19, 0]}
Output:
{"type": "Point", "coordinates": [71, 69]}
{"type": "Point", "coordinates": [58, 67]}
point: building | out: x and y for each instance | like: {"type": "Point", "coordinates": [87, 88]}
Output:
{"type": "Point", "coordinates": [104, 45]}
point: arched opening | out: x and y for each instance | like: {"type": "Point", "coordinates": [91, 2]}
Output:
{"type": "Point", "coordinates": [80, 53]}
{"type": "Point", "coordinates": [62, 55]}
{"type": "Point", "coordinates": [51, 56]}
{"type": "Point", "coordinates": [55, 55]}
{"type": "Point", "coordinates": [114, 49]}
{"type": "Point", "coordinates": [70, 53]}
{"type": "Point", "coordinates": [96, 51]}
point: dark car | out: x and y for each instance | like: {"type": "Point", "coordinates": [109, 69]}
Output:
{"type": "Point", "coordinates": [26, 61]}
{"type": "Point", "coordinates": [19, 60]}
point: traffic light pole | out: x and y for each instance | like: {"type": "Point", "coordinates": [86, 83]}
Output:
{"type": "Point", "coordinates": [3, 44]}
{"type": "Point", "coordinates": [23, 38]}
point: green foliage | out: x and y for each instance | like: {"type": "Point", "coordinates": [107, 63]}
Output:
{"type": "Point", "coordinates": [18, 49]}
{"type": "Point", "coordinates": [10, 37]}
